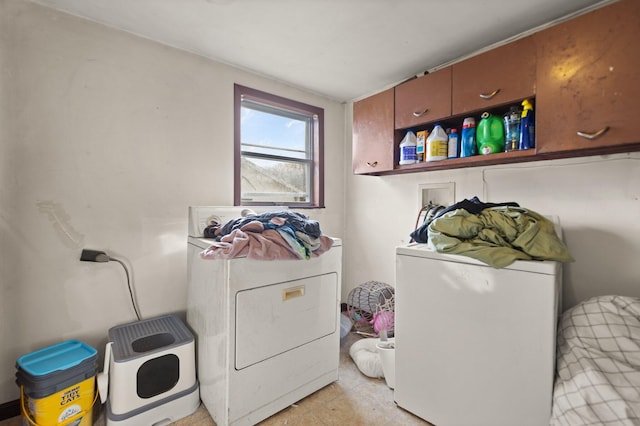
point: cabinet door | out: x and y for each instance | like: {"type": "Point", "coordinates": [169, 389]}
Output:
{"type": "Point", "coordinates": [424, 99]}
{"type": "Point", "coordinates": [373, 134]}
{"type": "Point", "coordinates": [499, 76]}
{"type": "Point", "coordinates": [589, 80]}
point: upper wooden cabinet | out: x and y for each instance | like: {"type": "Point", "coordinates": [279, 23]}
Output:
{"type": "Point", "coordinates": [589, 81]}
{"type": "Point", "coordinates": [373, 142]}
{"type": "Point", "coordinates": [496, 77]}
{"type": "Point", "coordinates": [583, 74]}
{"type": "Point", "coordinates": [423, 99]}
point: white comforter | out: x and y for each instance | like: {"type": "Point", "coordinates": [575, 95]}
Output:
{"type": "Point", "coordinates": [598, 363]}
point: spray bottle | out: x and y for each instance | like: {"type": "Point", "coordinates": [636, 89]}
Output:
{"type": "Point", "coordinates": [527, 126]}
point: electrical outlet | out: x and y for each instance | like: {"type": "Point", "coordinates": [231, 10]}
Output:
{"type": "Point", "coordinates": [93, 256]}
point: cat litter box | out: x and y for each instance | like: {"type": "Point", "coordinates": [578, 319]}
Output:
{"type": "Point", "coordinates": [150, 372]}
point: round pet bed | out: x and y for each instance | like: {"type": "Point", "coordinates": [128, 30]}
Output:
{"type": "Point", "coordinates": [365, 354]}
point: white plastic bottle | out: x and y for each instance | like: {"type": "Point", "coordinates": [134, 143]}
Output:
{"type": "Point", "coordinates": [453, 144]}
{"type": "Point", "coordinates": [437, 144]}
{"type": "Point", "coordinates": [408, 149]}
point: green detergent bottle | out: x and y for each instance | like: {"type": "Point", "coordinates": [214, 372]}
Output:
{"type": "Point", "coordinates": [490, 134]}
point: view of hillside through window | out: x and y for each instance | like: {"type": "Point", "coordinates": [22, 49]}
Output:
{"type": "Point", "coordinates": [276, 154]}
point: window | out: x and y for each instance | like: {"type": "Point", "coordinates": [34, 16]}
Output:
{"type": "Point", "coordinates": [278, 150]}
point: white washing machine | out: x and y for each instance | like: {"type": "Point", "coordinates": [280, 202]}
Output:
{"type": "Point", "coordinates": [475, 345]}
{"type": "Point", "coordinates": [267, 332]}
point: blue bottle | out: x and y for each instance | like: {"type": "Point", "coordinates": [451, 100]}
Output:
{"type": "Point", "coordinates": [468, 145]}
{"type": "Point", "coordinates": [527, 126]}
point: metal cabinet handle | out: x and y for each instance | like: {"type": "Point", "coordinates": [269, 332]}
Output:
{"type": "Point", "coordinates": [370, 164]}
{"type": "Point", "coordinates": [595, 135]}
{"type": "Point", "coordinates": [490, 95]}
{"type": "Point", "coordinates": [419, 114]}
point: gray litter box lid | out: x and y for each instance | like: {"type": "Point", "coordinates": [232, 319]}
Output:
{"type": "Point", "coordinates": [139, 338]}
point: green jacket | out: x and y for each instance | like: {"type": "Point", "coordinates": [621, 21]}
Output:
{"type": "Point", "coordinates": [497, 236]}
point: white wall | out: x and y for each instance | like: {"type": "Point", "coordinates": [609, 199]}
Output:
{"type": "Point", "coordinates": [597, 200]}
{"type": "Point", "coordinates": [106, 138]}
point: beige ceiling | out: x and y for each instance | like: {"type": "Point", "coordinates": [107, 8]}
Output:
{"type": "Point", "coordinates": [342, 49]}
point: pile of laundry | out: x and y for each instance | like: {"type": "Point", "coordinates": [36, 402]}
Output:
{"type": "Point", "coordinates": [267, 236]}
{"type": "Point", "coordinates": [494, 233]}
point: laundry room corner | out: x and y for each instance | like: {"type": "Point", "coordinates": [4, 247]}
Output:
{"type": "Point", "coordinates": [107, 138]}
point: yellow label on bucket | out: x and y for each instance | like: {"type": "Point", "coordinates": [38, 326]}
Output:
{"type": "Point", "coordinates": [69, 407]}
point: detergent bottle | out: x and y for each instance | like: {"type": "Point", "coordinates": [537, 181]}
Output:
{"type": "Point", "coordinates": [490, 134]}
{"type": "Point", "coordinates": [437, 144]}
{"type": "Point", "coordinates": [408, 149]}
{"type": "Point", "coordinates": [454, 144]}
{"type": "Point", "coordinates": [468, 143]}
{"type": "Point", "coordinates": [421, 144]}
{"type": "Point", "coordinates": [527, 126]}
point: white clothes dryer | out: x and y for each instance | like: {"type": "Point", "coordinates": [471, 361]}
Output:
{"type": "Point", "coordinates": [267, 332]}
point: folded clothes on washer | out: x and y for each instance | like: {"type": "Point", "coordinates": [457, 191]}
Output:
{"type": "Point", "coordinates": [279, 237]}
